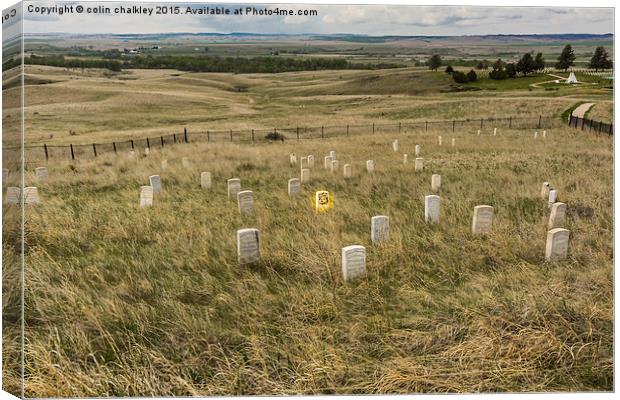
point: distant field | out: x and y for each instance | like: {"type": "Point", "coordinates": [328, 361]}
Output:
{"type": "Point", "coordinates": [151, 302]}
{"type": "Point", "coordinates": [75, 106]}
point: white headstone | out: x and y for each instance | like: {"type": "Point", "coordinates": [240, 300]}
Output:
{"type": "Point", "coordinates": [293, 187]}
{"type": "Point", "coordinates": [41, 173]}
{"type": "Point", "coordinates": [370, 165]}
{"type": "Point", "coordinates": [205, 180]}
{"type": "Point", "coordinates": [12, 195]}
{"type": "Point", "coordinates": [327, 162]}
{"type": "Point", "coordinates": [419, 164]}
{"type": "Point", "coordinates": [234, 187]}
{"type": "Point", "coordinates": [164, 165]}
{"type": "Point", "coordinates": [431, 208]}
{"type": "Point", "coordinates": [404, 158]}
{"type": "Point", "coordinates": [353, 262]}
{"type": "Point", "coordinates": [453, 142]}
{"type": "Point", "coordinates": [346, 171]}
{"type": "Point", "coordinates": [245, 202]}
{"type": "Point", "coordinates": [248, 246]}
{"type": "Point", "coordinates": [310, 161]}
{"type": "Point", "coordinates": [146, 196]}
{"type": "Point", "coordinates": [544, 134]}
{"type": "Point", "coordinates": [435, 183]}
{"type": "Point", "coordinates": [305, 175]}
{"type": "Point", "coordinates": [292, 159]}
{"type": "Point", "coordinates": [417, 150]}
{"type": "Point", "coordinates": [147, 151]}
{"type": "Point", "coordinates": [553, 196]}
{"type": "Point", "coordinates": [482, 221]}
{"type": "Point", "coordinates": [185, 162]}
{"type": "Point", "coordinates": [303, 162]}
{"type": "Point", "coordinates": [439, 140]}
{"type": "Point", "coordinates": [557, 217]}
{"type": "Point", "coordinates": [557, 244]}
{"type": "Point", "coordinates": [332, 154]}
{"type": "Point", "coordinates": [395, 145]}
{"type": "Point", "coordinates": [379, 228]}
{"type": "Point", "coordinates": [536, 135]}
{"type": "Point", "coordinates": [334, 166]}
{"type": "Point", "coordinates": [478, 132]}
{"type": "Point", "coordinates": [544, 191]}
{"type": "Point", "coordinates": [155, 182]}
{"type": "Point", "coordinates": [31, 195]}
{"type": "Point", "coordinates": [494, 131]}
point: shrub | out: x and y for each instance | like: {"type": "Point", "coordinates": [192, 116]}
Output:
{"type": "Point", "coordinates": [471, 76]}
{"type": "Point", "coordinates": [459, 77]}
{"type": "Point", "coordinates": [449, 69]}
{"type": "Point", "coordinates": [275, 136]}
{"type": "Point", "coordinates": [498, 74]}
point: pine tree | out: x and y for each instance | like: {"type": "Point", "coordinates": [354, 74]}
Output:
{"type": "Point", "coordinates": [539, 62]}
{"type": "Point", "coordinates": [600, 59]}
{"type": "Point", "coordinates": [526, 64]}
{"type": "Point", "coordinates": [434, 62]}
{"type": "Point", "coordinates": [566, 58]}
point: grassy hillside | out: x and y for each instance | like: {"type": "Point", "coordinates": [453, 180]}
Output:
{"type": "Point", "coordinates": [151, 302]}
{"type": "Point", "coordinates": [74, 106]}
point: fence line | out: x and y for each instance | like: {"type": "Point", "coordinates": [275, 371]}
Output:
{"type": "Point", "coordinates": [590, 125]}
{"type": "Point", "coordinates": [45, 152]}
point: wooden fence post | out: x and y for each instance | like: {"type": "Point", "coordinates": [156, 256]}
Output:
{"type": "Point", "coordinates": [322, 132]}
{"type": "Point", "coordinates": [252, 135]}
{"type": "Point", "coordinates": [426, 126]}
{"type": "Point", "coordinates": [539, 121]}
{"type": "Point", "coordinates": [148, 144]}
{"type": "Point", "coordinates": [298, 134]}
{"type": "Point", "coordinates": [231, 135]}
{"type": "Point", "coordinates": [162, 141]}
{"type": "Point", "coordinates": [95, 149]}
{"type": "Point", "coordinates": [453, 124]}
{"type": "Point", "coordinates": [72, 153]}
{"type": "Point", "coordinates": [174, 137]}
{"type": "Point", "coordinates": [481, 122]}
{"type": "Point", "coordinates": [347, 130]}
{"type": "Point", "coordinates": [114, 147]}
{"type": "Point", "coordinates": [185, 134]}
{"type": "Point", "coordinates": [208, 136]}
{"type": "Point", "coordinates": [47, 157]}
{"type": "Point", "coordinates": [373, 128]}
{"type": "Point", "coordinates": [132, 144]}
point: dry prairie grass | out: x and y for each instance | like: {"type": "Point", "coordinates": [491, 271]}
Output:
{"type": "Point", "coordinates": [140, 103]}
{"type": "Point", "coordinates": [151, 302]}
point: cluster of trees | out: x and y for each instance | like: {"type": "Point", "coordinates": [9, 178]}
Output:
{"type": "Point", "coordinates": [461, 77]}
{"type": "Point", "coordinates": [248, 65]}
{"type": "Point", "coordinates": [60, 61]}
{"type": "Point", "coordinates": [528, 64]}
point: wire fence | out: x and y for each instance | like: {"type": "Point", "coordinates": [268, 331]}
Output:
{"type": "Point", "coordinates": [590, 125]}
{"type": "Point", "coordinates": [45, 152]}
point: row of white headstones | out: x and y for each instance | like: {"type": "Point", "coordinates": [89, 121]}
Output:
{"type": "Point", "coordinates": [354, 256]}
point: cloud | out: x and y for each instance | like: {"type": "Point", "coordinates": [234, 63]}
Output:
{"type": "Point", "coordinates": [357, 19]}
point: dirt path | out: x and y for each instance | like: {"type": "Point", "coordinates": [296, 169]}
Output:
{"type": "Point", "coordinates": [580, 111]}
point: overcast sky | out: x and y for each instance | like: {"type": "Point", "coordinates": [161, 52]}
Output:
{"type": "Point", "coordinates": [358, 19]}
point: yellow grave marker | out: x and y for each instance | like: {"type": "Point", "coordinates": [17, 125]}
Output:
{"type": "Point", "coordinates": [322, 201]}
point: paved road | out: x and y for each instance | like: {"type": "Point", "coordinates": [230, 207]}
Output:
{"type": "Point", "coordinates": [580, 111]}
